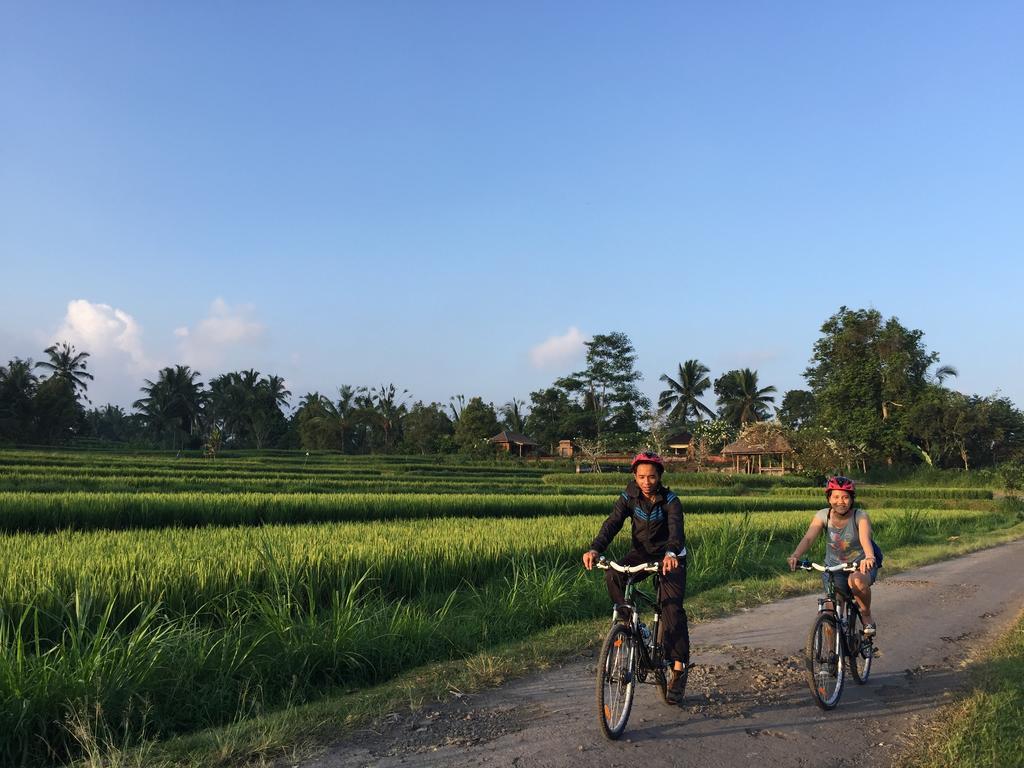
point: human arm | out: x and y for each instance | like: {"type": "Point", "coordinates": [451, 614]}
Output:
{"type": "Point", "coordinates": [864, 532]}
{"type": "Point", "coordinates": [612, 525]}
{"type": "Point", "coordinates": [675, 546]}
{"type": "Point", "coordinates": [813, 530]}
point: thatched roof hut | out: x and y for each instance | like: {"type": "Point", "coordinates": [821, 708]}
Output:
{"type": "Point", "coordinates": [513, 441]}
{"type": "Point", "coordinates": [760, 455]}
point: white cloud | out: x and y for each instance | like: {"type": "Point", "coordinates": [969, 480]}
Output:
{"type": "Point", "coordinates": [558, 349]}
{"type": "Point", "coordinates": [104, 332]}
{"type": "Point", "coordinates": [224, 329]}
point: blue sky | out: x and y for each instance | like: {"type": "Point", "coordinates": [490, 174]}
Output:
{"type": "Point", "coordinates": [452, 196]}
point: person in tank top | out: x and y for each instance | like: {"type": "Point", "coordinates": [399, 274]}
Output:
{"type": "Point", "coordinates": [847, 532]}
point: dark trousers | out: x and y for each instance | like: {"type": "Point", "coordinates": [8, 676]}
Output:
{"type": "Point", "coordinates": [671, 591]}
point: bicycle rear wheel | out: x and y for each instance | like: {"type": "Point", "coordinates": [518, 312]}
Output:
{"type": "Point", "coordinates": [825, 661]}
{"type": "Point", "coordinates": [616, 680]}
{"type": "Point", "coordinates": [862, 649]}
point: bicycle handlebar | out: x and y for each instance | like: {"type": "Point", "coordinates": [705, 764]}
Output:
{"type": "Point", "coordinates": [807, 565]}
{"type": "Point", "coordinates": [604, 564]}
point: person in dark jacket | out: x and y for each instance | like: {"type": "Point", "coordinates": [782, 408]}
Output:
{"type": "Point", "coordinates": [658, 535]}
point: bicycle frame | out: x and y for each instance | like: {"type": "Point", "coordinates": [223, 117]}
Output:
{"type": "Point", "coordinates": [847, 645]}
{"type": "Point", "coordinates": [650, 656]}
{"type": "Point", "coordinates": [631, 652]}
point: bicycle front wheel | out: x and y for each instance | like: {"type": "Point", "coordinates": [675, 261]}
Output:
{"type": "Point", "coordinates": [825, 661]}
{"type": "Point", "coordinates": [862, 649]}
{"type": "Point", "coordinates": [616, 680]}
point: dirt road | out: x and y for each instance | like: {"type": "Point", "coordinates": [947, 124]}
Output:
{"type": "Point", "coordinates": [747, 701]}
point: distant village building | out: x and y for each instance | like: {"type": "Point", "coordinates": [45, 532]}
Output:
{"type": "Point", "coordinates": [752, 458]}
{"type": "Point", "coordinates": [680, 444]}
{"type": "Point", "coordinates": [567, 449]}
{"type": "Point", "coordinates": [513, 442]}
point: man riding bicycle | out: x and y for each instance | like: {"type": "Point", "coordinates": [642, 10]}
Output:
{"type": "Point", "coordinates": [658, 535]}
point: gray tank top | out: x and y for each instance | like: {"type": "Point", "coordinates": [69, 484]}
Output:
{"type": "Point", "coordinates": [842, 544]}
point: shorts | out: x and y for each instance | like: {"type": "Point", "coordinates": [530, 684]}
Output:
{"type": "Point", "coordinates": [843, 580]}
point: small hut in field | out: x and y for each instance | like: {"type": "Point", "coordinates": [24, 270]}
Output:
{"type": "Point", "coordinates": [513, 442]}
{"type": "Point", "coordinates": [680, 444]}
{"type": "Point", "coordinates": [758, 453]}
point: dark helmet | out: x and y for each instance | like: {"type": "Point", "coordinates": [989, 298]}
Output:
{"type": "Point", "coordinates": [839, 483]}
{"type": "Point", "coordinates": [648, 457]}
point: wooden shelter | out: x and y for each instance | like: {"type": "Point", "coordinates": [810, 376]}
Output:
{"type": "Point", "coordinates": [513, 442]}
{"type": "Point", "coordinates": [680, 444]}
{"type": "Point", "coordinates": [760, 458]}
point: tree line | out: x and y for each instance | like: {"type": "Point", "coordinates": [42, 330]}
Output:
{"type": "Point", "coordinates": [875, 396]}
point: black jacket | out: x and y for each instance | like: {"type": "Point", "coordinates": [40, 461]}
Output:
{"type": "Point", "coordinates": [657, 525]}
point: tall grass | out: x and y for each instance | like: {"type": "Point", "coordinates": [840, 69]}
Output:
{"type": "Point", "coordinates": [888, 492]}
{"type": "Point", "coordinates": [164, 631]}
{"type": "Point", "coordinates": [678, 479]}
{"type": "Point", "coordinates": [120, 511]}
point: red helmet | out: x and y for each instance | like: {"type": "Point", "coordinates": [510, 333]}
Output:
{"type": "Point", "coordinates": [648, 457]}
{"type": "Point", "coordinates": [839, 483]}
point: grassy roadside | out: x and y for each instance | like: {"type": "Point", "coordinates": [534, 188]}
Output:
{"type": "Point", "coordinates": [985, 727]}
{"type": "Point", "coordinates": [281, 736]}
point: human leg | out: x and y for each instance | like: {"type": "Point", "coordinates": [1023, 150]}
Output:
{"type": "Point", "coordinates": [673, 616]}
{"type": "Point", "coordinates": [860, 586]}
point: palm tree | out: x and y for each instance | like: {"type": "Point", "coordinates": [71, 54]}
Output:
{"type": "Point", "coordinates": [17, 376]}
{"type": "Point", "coordinates": [345, 410]}
{"type": "Point", "coordinates": [174, 402]}
{"type": "Point", "coordinates": [67, 364]}
{"type": "Point", "coordinates": [512, 416]}
{"type": "Point", "coordinates": [739, 399]}
{"type": "Point", "coordinates": [684, 393]}
{"type": "Point", "coordinates": [390, 408]}
{"type": "Point", "coordinates": [457, 403]}
{"type": "Point", "coordinates": [18, 386]}
{"type": "Point", "coordinates": [274, 390]}
{"type": "Point", "coordinates": [943, 372]}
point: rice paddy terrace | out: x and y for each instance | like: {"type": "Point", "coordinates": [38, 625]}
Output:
{"type": "Point", "coordinates": [174, 593]}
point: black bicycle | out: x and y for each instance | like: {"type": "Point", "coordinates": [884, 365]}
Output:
{"type": "Point", "coordinates": [632, 652]}
{"type": "Point", "coordinates": [837, 640]}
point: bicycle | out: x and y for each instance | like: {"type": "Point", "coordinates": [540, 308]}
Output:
{"type": "Point", "coordinates": [837, 638]}
{"type": "Point", "coordinates": [632, 652]}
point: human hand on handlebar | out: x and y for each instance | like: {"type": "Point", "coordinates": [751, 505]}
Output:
{"type": "Point", "coordinates": [590, 558]}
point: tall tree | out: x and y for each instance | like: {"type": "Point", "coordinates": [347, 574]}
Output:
{"type": "Point", "coordinates": [58, 414]}
{"type": "Point", "coordinates": [18, 384]}
{"type": "Point", "coordinates": [173, 405]}
{"type": "Point", "coordinates": [390, 407]}
{"type": "Point", "coordinates": [68, 365]}
{"type": "Point", "coordinates": [112, 423]}
{"type": "Point", "coordinates": [456, 403]}
{"type": "Point", "coordinates": [554, 416]}
{"type": "Point", "coordinates": [608, 385]}
{"type": "Point", "coordinates": [318, 424]}
{"type": "Point", "coordinates": [477, 423]}
{"type": "Point", "coordinates": [866, 373]}
{"type": "Point", "coordinates": [682, 397]}
{"type": "Point", "coordinates": [247, 407]}
{"type": "Point", "coordinates": [512, 416]}
{"type": "Point", "coordinates": [740, 401]}
{"type": "Point", "coordinates": [798, 409]}
{"type": "Point", "coordinates": [427, 428]}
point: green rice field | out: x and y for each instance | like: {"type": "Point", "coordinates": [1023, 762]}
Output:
{"type": "Point", "coordinates": [172, 594]}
